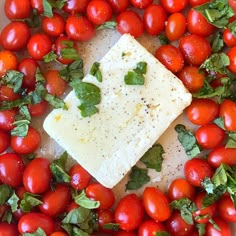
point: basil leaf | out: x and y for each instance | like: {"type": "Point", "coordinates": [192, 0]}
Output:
{"type": "Point", "coordinates": [30, 201]}
{"type": "Point", "coordinates": [141, 68]}
{"type": "Point", "coordinates": [218, 43]}
{"type": "Point", "coordinates": [47, 9]}
{"type": "Point", "coordinates": [69, 53]}
{"type": "Point", "coordinates": [95, 71]}
{"type": "Point", "coordinates": [220, 122]}
{"type": "Point", "coordinates": [208, 185]}
{"type": "Point", "coordinates": [78, 232]}
{"type": "Point", "coordinates": [7, 216]}
{"type": "Point", "coordinates": [34, 21]}
{"type": "Point", "coordinates": [201, 229]}
{"type": "Point", "coordinates": [231, 141]}
{"type": "Point", "coordinates": [21, 128]}
{"type": "Point", "coordinates": [111, 226]}
{"type": "Point", "coordinates": [38, 232]}
{"type": "Point", "coordinates": [163, 39]}
{"type": "Point", "coordinates": [188, 140]}
{"type": "Point", "coordinates": [76, 216]}
{"type": "Point", "coordinates": [232, 27]}
{"type": "Point", "coordinates": [5, 193]}
{"type": "Point", "coordinates": [161, 233]}
{"type": "Point", "coordinates": [13, 79]}
{"type": "Point", "coordinates": [51, 56]}
{"type": "Point", "coordinates": [107, 25]}
{"type": "Point", "coordinates": [84, 201]}
{"type": "Point", "coordinates": [137, 178]}
{"type": "Point", "coordinates": [153, 158]}
{"type": "Point", "coordinates": [87, 111]}
{"type": "Point", "coordinates": [55, 101]}
{"type": "Point", "coordinates": [13, 202]}
{"type": "Point", "coordinates": [58, 169]}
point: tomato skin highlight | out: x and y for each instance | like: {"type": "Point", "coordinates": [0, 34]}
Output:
{"type": "Point", "coordinates": [129, 212]}
{"type": "Point", "coordinates": [229, 38]}
{"type": "Point", "coordinates": [226, 209]}
{"type": "Point", "coordinates": [156, 204]}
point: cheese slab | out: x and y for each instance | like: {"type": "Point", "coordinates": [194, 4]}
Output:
{"type": "Point", "coordinates": [130, 120]}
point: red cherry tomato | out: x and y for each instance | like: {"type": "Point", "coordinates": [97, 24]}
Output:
{"type": "Point", "coordinates": [73, 7]}
{"type": "Point", "coordinates": [80, 178]}
{"type": "Point", "coordinates": [105, 217]}
{"type": "Point", "coordinates": [232, 58]}
{"type": "Point", "coordinates": [130, 22]}
{"type": "Point", "coordinates": [38, 109]}
{"type": "Point", "coordinates": [8, 61]}
{"type": "Point", "coordinates": [4, 140]}
{"type": "Point", "coordinates": [15, 36]}
{"type": "Point", "coordinates": [79, 28]}
{"type": "Point", "coordinates": [129, 212]}
{"type": "Point", "coordinates": [11, 169]}
{"type": "Point", "coordinates": [33, 179]}
{"type": "Point", "coordinates": [228, 113]}
{"type": "Point", "coordinates": [180, 188]}
{"type": "Point", "coordinates": [7, 229]}
{"type": "Point", "coordinates": [197, 24]}
{"type": "Point", "coordinates": [192, 79]}
{"type": "Point", "coordinates": [99, 11]}
{"type": "Point", "coordinates": [27, 144]}
{"type": "Point", "coordinates": [196, 170]}
{"type": "Point", "coordinates": [154, 19]}
{"type": "Point", "coordinates": [15, 9]}
{"type": "Point", "coordinates": [194, 3]}
{"type": "Point", "coordinates": [150, 228]}
{"type": "Point", "coordinates": [175, 26]}
{"type": "Point", "coordinates": [54, 83]}
{"type": "Point", "coordinates": [38, 5]}
{"type": "Point", "coordinates": [53, 26]}
{"type": "Point", "coordinates": [55, 201]}
{"type": "Point", "coordinates": [170, 57]}
{"type": "Point", "coordinates": [30, 222]}
{"type": "Point", "coordinates": [98, 192]}
{"type": "Point", "coordinates": [226, 209]}
{"type": "Point", "coordinates": [156, 204]}
{"type": "Point", "coordinates": [141, 4]}
{"type": "Point", "coordinates": [39, 45]}
{"type": "Point", "coordinates": [119, 5]}
{"type": "Point", "coordinates": [222, 155]}
{"type": "Point", "coordinates": [173, 6]}
{"type": "Point", "coordinates": [177, 226]}
{"type": "Point", "coordinates": [195, 49]}
{"type": "Point", "coordinates": [202, 111]}
{"type": "Point", "coordinates": [7, 119]}
{"type": "Point", "coordinates": [124, 233]}
{"type": "Point", "coordinates": [229, 38]}
{"type": "Point", "coordinates": [224, 228]}
{"type": "Point", "coordinates": [210, 136]}
{"type": "Point", "coordinates": [7, 93]}
{"type": "Point", "coordinates": [59, 233]}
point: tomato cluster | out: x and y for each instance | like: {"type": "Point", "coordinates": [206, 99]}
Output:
{"type": "Point", "coordinates": [34, 198]}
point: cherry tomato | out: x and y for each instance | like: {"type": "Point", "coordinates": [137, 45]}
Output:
{"type": "Point", "coordinates": [28, 67]}
{"type": "Point", "coordinates": [154, 19]}
{"type": "Point", "coordinates": [80, 178]}
{"type": "Point", "coordinates": [129, 212]}
{"type": "Point", "coordinates": [170, 57]}
{"type": "Point", "coordinates": [53, 26]}
{"type": "Point", "coordinates": [192, 79]}
{"type": "Point", "coordinates": [71, 206]}
{"type": "Point", "coordinates": [7, 93]}
{"type": "Point", "coordinates": [202, 111]}
{"type": "Point", "coordinates": [180, 188]}
{"type": "Point", "coordinates": [232, 3]}
{"type": "Point", "coordinates": [194, 3]}
{"type": "Point", "coordinates": [105, 217]}
{"type": "Point", "coordinates": [79, 28]}
{"type": "Point", "coordinates": [15, 9]}
{"type": "Point", "coordinates": [175, 26]}
{"type": "Point", "coordinates": [150, 228]}
{"type": "Point", "coordinates": [229, 38]}
{"type": "Point", "coordinates": [11, 169]}
{"type": "Point", "coordinates": [119, 5]}
{"type": "Point", "coordinates": [203, 214]}
{"type": "Point", "coordinates": [15, 36]}
{"type": "Point", "coordinates": [197, 24]}
{"type": "Point", "coordinates": [30, 222]}
{"type": "Point", "coordinates": [39, 45]}
{"type": "Point", "coordinates": [156, 204]}
{"type": "Point", "coordinates": [38, 5]}
{"type": "Point", "coordinates": [210, 136]}
{"type": "Point", "coordinates": [73, 7]}
{"type": "Point", "coordinates": [27, 144]}
{"type": "Point", "coordinates": [99, 11]}
{"type": "Point", "coordinates": [38, 109]}
{"type": "Point", "coordinates": [33, 179]}
{"type": "Point", "coordinates": [59, 233]}
{"type": "Point", "coordinates": [124, 233]}
{"type": "Point", "coordinates": [98, 192]}
{"type": "Point", "coordinates": [173, 6]}
{"type": "Point", "coordinates": [54, 83]}
{"type": "Point", "coordinates": [141, 4]}
{"type": "Point", "coordinates": [228, 113]}
{"type": "Point", "coordinates": [223, 226]}
{"type": "Point", "coordinates": [195, 49]}
{"type": "Point", "coordinates": [130, 22]}
{"type": "Point", "coordinates": [196, 170]}
{"type": "Point", "coordinates": [8, 61]}
{"type": "Point", "coordinates": [226, 209]}
{"type": "Point", "coordinates": [222, 155]}
{"type": "Point", "coordinates": [177, 226]}
{"type": "Point", "coordinates": [232, 58]}
{"type": "Point", "coordinates": [7, 229]}
{"type": "Point", "coordinates": [4, 140]}
{"type": "Point", "coordinates": [55, 201]}
{"type": "Point", "coordinates": [7, 118]}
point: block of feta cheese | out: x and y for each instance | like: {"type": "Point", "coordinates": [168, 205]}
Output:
{"type": "Point", "coordinates": [130, 120]}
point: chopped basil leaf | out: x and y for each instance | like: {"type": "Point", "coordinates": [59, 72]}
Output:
{"type": "Point", "coordinates": [39, 76]}
{"type": "Point", "coordinates": [111, 226]}
{"type": "Point", "coordinates": [58, 169]}
{"type": "Point", "coordinates": [95, 71]}
{"type": "Point", "coordinates": [208, 185]}
{"type": "Point", "coordinates": [47, 8]}
{"type": "Point", "coordinates": [163, 39]}
{"type": "Point", "coordinates": [217, 43]}
{"type": "Point", "coordinates": [13, 202]}
{"type": "Point", "coordinates": [232, 27]}
{"type": "Point", "coordinates": [107, 25]}
{"type": "Point", "coordinates": [153, 157]}
{"type": "Point", "coordinates": [51, 56]}
{"type": "Point", "coordinates": [69, 53]}
{"type": "Point", "coordinates": [137, 178]}
{"type": "Point", "coordinates": [231, 141]}
{"type": "Point", "coordinates": [5, 193]}
{"type": "Point", "coordinates": [7, 216]}
{"type": "Point", "coordinates": [84, 201]}
{"type": "Point", "coordinates": [21, 128]}
{"type": "Point", "coordinates": [55, 101]}
{"type": "Point", "coordinates": [161, 233]}
{"type": "Point", "coordinates": [217, 12]}
{"type": "Point", "coordinates": [38, 232]}
{"type": "Point", "coordinates": [220, 122]}
{"type": "Point", "coordinates": [188, 140]}
{"type": "Point", "coordinates": [34, 21]}
{"type": "Point", "coordinates": [87, 111]}
{"type": "Point", "coordinates": [29, 201]}
{"type": "Point", "coordinates": [136, 77]}
{"type": "Point", "coordinates": [201, 228]}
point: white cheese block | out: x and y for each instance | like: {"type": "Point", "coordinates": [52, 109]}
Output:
{"type": "Point", "coordinates": [130, 120]}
